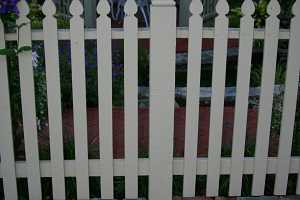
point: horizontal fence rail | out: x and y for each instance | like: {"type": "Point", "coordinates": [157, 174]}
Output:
{"type": "Point", "coordinates": [144, 167]}
{"type": "Point", "coordinates": [161, 165]}
{"type": "Point", "coordinates": [144, 33]}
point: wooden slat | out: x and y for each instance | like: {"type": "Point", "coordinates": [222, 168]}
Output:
{"type": "Point", "coordinates": [131, 100]}
{"type": "Point", "coordinates": [79, 99]}
{"type": "Point", "coordinates": [54, 99]}
{"type": "Point", "coordinates": [28, 104]}
{"type": "Point", "coordinates": [144, 167]}
{"type": "Point", "coordinates": [6, 137]}
{"type": "Point", "coordinates": [241, 106]}
{"type": "Point", "coordinates": [192, 102]}
{"type": "Point", "coordinates": [289, 107]}
{"type": "Point", "coordinates": [217, 99]}
{"type": "Point", "coordinates": [105, 98]}
{"type": "Point", "coordinates": [144, 33]}
{"type": "Point", "coordinates": [162, 96]}
{"type": "Point", "coordinates": [266, 98]}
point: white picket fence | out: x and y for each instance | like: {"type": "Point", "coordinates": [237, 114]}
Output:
{"type": "Point", "coordinates": [161, 166]}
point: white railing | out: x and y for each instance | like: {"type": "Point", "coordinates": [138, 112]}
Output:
{"type": "Point", "coordinates": [161, 166]}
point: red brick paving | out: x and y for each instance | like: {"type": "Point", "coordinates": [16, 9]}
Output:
{"type": "Point", "coordinates": [202, 198]}
{"type": "Point", "coordinates": [143, 140]}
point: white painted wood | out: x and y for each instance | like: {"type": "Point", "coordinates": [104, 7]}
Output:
{"type": "Point", "coordinates": [241, 105]}
{"type": "Point", "coordinates": [131, 100]}
{"type": "Point", "coordinates": [79, 99]}
{"type": "Point", "coordinates": [144, 33]}
{"type": "Point", "coordinates": [105, 98]}
{"type": "Point", "coordinates": [28, 104]}
{"type": "Point", "coordinates": [217, 99]}
{"type": "Point", "coordinates": [54, 99]}
{"type": "Point", "coordinates": [6, 138]}
{"type": "Point", "coordinates": [192, 102]}
{"type": "Point", "coordinates": [289, 107]}
{"type": "Point", "coordinates": [266, 98]}
{"type": "Point", "coordinates": [162, 90]}
{"type": "Point", "coordinates": [161, 165]}
{"type": "Point", "coordinates": [144, 167]}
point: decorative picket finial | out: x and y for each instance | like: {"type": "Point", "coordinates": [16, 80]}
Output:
{"type": "Point", "coordinates": [196, 7]}
{"type": "Point", "coordinates": [23, 8]}
{"type": "Point", "coordinates": [248, 8]}
{"type": "Point", "coordinates": [76, 8]}
{"type": "Point", "coordinates": [103, 8]}
{"type": "Point", "coordinates": [130, 7]}
{"type": "Point", "coordinates": [273, 8]}
{"type": "Point", "coordinates": [296, 8]}
{"type": "Point", "coordinates": [49, 8]}
{"type": "Point", "coordinates": [222, 7]}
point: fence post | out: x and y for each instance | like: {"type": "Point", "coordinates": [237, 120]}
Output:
{"type": "Point", "coordinates": [162, 89]}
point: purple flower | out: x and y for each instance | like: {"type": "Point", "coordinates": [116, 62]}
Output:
{"type": "Point", "coordinates": [8, 6]}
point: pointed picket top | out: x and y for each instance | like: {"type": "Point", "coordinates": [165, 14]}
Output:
{"type": "Point", "coordinates": [196, 7]}
{"type": "Point", "coordinates": [76, 8]}
{"type": "Point", "coordinates": [273, 8]}
{"type": "Point", "coordinates": [103, 8]}
{"type": "Point", "coordinates": [248, 8]}
{"type": "Point", "coordinates": [222, 7]}
{"type": "Point", "coordinates": [49, 8]}
{"type": "Point", "coordinates": [296, 8]}
{"type": "Point", "coordinates": [23, 8]}
{"type": "Point", "coordinates": [130, 7]}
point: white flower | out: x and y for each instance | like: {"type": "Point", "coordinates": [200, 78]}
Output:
{"type": "Point", "coordinates": [35, 59]}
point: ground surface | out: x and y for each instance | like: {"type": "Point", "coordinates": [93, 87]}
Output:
{"type": "Point", "coordinates": [179, 129]}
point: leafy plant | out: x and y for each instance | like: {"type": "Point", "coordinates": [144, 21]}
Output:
{"type": "Point", "coordinates": [260, 13]}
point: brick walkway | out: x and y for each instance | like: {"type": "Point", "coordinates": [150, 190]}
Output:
{"type": "Point", "coordinates": [179, 129]}
{"type": "Point", "coordinates": [242, 198]}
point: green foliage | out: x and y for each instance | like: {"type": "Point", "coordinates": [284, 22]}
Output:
{"type": "Point", "coordinates": [256, 75]}
{"type": "Point", "coordinates": [36, 15]}
{"type": "Point", "coordinates": [143, 63]}
{"type": "Point", "coordinates": [15, 49]}
{"type": "Point", "coordinates": [260, 13]}
{"type": "Point", "coordinates": [15, 93]}
{"type": "Point", "coordinates": [177, 185]}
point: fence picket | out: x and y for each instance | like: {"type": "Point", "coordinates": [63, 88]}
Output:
{"type": "Point", "coordinates": [105, 98]}
{"type": "Point", "coordinates": [6, 137]}
{"type": "Point", "coordinates": [79, 99]}
{"type": "Point", "coordinates": [161, 166]}
{"type": "Point", "coordinates": [28, 104]}
{"type": "Point", "coordinates": [162, 97]}
{"type": "Point", "coordinates": [192, 102]}
{"type": "Point", "coordinates": [54, 98]}
{"type": "Point", "coordinates": [241, 108]}
{"type": "Point", "coordinates": [217, 99]}
{"type": "Point", "coordinates": [266, 98]}
{"type": "Point", "coordinates": [131, 100]}
{"type": "Point", "coordinates": [289, 107]}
